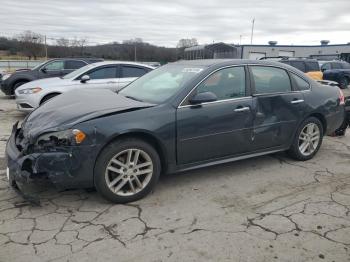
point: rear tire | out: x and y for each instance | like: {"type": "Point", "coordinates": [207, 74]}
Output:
{"type": "Point", "coordinates": [126, 170]}
{"type": "Point", "coordinates": [307, 140]}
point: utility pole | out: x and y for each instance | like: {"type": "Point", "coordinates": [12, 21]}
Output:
{"type": "Point", "coordinates": [45, 49]}
{"type": "Point", "coordinates": [135, 51]}
{"type": "Point", "coordinates": [251, 36]}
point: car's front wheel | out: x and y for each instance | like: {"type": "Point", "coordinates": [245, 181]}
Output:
{"type": "Point", "coordinates": [308, 139]}
{"type": "Point", "coordinates": [343, 82]}
{"type": "Point", "coordinates": [127, 170]}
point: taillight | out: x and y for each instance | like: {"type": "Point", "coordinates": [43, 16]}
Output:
{"type": "Point", "coordinates": [341, 98]}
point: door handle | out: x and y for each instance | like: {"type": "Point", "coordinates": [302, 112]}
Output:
{"type": "Point", "coordinates": [297, 101]}
{"type": "Point", "coordinates": [111, 82]}
{"type": "Point", "coordinates": [242, 109]}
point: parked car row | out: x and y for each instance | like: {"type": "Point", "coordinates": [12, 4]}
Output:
{"type": "Point", "coordinates": [180, 116]}
{"type": "Point", "coordinates": [335, 71]}
{"type": "Point", "coordinates": [110, 75]}
{"type": "Point", "coordinates": [50, 68]}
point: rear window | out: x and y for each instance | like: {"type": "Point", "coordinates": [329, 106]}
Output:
{"type": "Point", "coordinates": [312, 66]}
{"type": "Point", "coordinates": [299, 65]}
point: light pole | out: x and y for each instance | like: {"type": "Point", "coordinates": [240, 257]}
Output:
{"type": "Point", "coordinates": [45, 48]}
{"type": "Point", "coordinates": [251, 36]}
{"type": "Point", "coordinates": [135, 51]}
{"type": "Point", "coordinates": [45, 45]}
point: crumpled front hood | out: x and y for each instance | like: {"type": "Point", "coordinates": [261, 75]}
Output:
{"type": "Point", "coordinates": [74, 107]}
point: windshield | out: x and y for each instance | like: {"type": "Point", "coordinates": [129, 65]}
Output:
{"type": "Point", "coordinates": [78, 72]}
{"type": "Point", "coordinates": [160, 84]}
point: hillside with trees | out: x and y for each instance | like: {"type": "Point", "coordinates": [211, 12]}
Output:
{"type": "Point", "coordinates": [32, 46]}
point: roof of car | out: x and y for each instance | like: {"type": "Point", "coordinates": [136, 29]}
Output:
{"type": "Point", "coordinates": [121, 62]}
{"type": "Point", "coordinates": [223, 62]}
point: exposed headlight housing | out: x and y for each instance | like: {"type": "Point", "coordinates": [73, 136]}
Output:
{"type": "Point", "coordinates": [28, 91]}
{"type": "Point", "coordinates": [68, 137]}
{"type": "Point", "coordinates": [5, 76]}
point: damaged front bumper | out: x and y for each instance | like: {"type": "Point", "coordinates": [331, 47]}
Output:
{"type": "Point", "coordinates": [65, 167]}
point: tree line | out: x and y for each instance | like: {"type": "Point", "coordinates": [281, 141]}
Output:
{"type": "Point", "coordinates": [32, 45]}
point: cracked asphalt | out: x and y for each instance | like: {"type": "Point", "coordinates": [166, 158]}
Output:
{"type": "Point", "coordinates": [269, 208]}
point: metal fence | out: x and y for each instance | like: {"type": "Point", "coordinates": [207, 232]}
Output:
{"type": "Point", "coordinates": [11, 65]}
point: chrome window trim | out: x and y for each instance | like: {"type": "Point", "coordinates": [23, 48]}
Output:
{"type": "Point", "coordinates": [243, 65]}
{"type": "Point", "coordinates": [217, 102]}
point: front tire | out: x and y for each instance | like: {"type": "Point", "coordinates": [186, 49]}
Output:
{"type": "Point", "coordinates": [307, 140]}
{"type": "Point", "coordinates": [127, 170]}
{"type": "Point", "coordinates": [343, 83]}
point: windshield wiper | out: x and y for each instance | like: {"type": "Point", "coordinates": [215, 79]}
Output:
{"type": "Point", "coordinates": [133, 98]}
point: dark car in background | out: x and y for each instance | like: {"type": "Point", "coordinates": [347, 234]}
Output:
{"type": "Point", "coordinates": [308, 66]}
{"type": "Point", "coordinates": [50, 68]}
{"type": "Point", "coordinates": [338, 71]}
{"type": "Point", "coordinates": [181, 116]}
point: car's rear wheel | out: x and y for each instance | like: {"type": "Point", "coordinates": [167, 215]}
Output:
{"type": "Point", "coordinates": [343, 82]}
{"type": "Point", "coordinates": [127, 170]}
{"type": "Point", "coordinates": [308, 139]}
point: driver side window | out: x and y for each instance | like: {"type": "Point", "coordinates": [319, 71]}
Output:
{"type": "Point", "coordinates": [54, 66]}
{"type": "Point", "coordinates": [225, 84]}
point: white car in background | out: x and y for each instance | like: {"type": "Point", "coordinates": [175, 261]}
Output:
{"type": "Point", "coordinates": [112, 75]}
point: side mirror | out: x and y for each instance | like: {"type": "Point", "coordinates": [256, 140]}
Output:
{"type": "Point", "coordinates": [84, 78]}
{"type": "Point", "coordinates": [44, 70]}
{"type": "Point", "coordinates": [203, 98]}
{"type": "Point", "coordinates": [323, 69]}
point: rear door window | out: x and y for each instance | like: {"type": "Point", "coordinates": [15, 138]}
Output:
{"type": "Point", "coordinates": [336, 66]}
{"type": "Point", "coordinates": [104, 73]}
{"type": "Point", "coordinates": [300, 82]}
{"type": "Point", "coordinates": [270, 80]}
{"type": "Point", "coordinates": [74, 64]}
{"type": "Point", "coordinates": [132, 71]}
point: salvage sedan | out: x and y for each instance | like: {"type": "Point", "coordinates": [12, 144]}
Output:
{"type": "Point", "coordinates": [181, 116]}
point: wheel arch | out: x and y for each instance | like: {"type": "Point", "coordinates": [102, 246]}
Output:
{"type": "Point", "coordinates": [323, 120]}
{"type": "Point", "coordinates": [49, 94]}
{"type": "Point", "coordinates": [142, 135]}
{"type": "Point", "coordinates": [18, 80]}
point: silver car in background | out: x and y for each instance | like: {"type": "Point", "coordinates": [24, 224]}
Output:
{"type": "Point", "coordinates": [112, 75]}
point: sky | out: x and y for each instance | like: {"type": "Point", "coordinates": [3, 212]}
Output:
{"type": "Point", "coordinates": [163, 23]}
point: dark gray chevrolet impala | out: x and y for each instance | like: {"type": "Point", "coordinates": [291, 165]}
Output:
{"type": "Point", "coordinates": [178, 117]}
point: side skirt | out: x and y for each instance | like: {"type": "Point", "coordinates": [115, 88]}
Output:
{"type": "Point", "coordinates": [188, 167]}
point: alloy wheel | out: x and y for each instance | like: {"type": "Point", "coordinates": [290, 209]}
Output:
{"type": "Point", "coordinates": [129, 172]}
{"type": "Point", "coordinates": [309, 139]}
